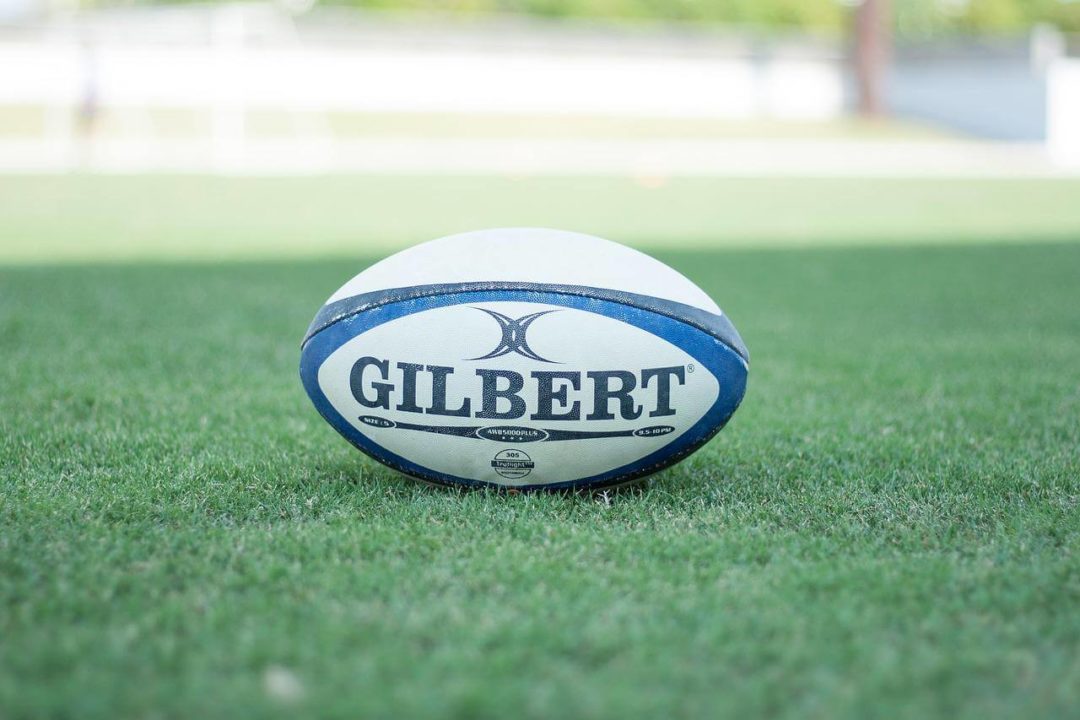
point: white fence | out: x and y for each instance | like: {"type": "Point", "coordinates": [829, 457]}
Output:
{"type": "Point", "coordinates": [319, 79]}
{"type": "Point", "coordinates": [1063, 111]}
{"type": "Point", "coordinates": [231, 61]}
{"type": "Point", "coordinates": [227, 63]}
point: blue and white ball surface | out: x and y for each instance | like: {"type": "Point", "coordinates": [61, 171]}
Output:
{"type": "Point", "coordinates": [524, 358]}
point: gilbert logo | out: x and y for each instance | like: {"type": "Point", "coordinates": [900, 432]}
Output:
{"type": "Point", "coordinates": [513, 335]}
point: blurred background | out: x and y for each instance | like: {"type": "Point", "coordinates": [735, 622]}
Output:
{"type": "Point", "coordinates": [442, 115]}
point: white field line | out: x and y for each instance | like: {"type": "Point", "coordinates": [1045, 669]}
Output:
{"type": "Point", "coordinates": [522, 156]}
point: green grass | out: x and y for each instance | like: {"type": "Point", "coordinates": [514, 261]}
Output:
{"type": "Point", "coordinates": [94, 217]}
{"type": "Point", "coordinates": [888, 528]}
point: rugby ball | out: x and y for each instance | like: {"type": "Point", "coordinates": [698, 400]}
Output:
{"type": "Point", "coordinates": [523, 358]}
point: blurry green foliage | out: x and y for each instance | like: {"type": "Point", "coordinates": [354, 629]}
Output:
{"type": "Point", "coordinates": [921, 18]}
{"type": "Point", "coordinates": [810, 14]}
{"type": "Point", "coordinates": [914, 18]}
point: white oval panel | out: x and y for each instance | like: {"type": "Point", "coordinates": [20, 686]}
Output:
{"type": "Point", "coordinates": [415, 386]}
{"type": "Point", "coordinates": [529, 255]}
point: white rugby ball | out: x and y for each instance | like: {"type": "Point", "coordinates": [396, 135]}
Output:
{"type": "Point", "coordinates": [523, 358]}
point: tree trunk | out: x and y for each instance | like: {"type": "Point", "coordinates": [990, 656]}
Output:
{"type": "Point", "coordinates": [873, 50]}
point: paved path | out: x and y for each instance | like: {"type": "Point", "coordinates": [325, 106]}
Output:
{"type": "Point", "coordinates": [642, 158]}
